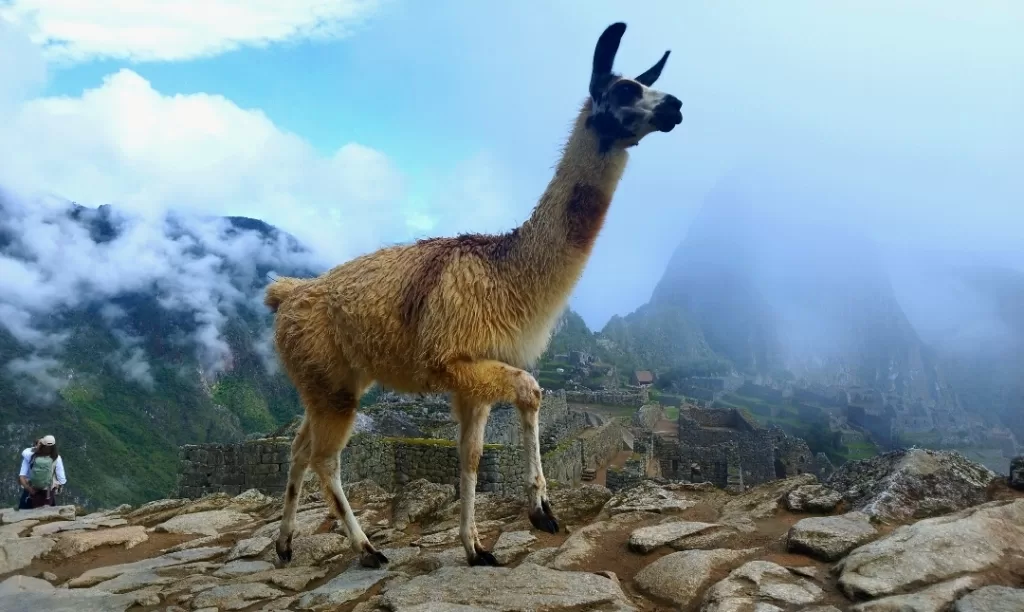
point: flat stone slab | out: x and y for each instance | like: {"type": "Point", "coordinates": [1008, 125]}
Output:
{"type": "Point", "coordinates": [829, 538]}
{"type": "Point", "coordinates": [646, 539]}
{"type": "Point", "coordinates": [241, 568]}
{"type": "Point", "coordinates": [18, 553]}
{"type": "Point", "coordinates": [10, 516]}
{"type": "Point", "coordinates": [525, 587]}
{"type": "Point", "coordinates": [234, 596]}
{"type": "Point", "coordinates": [210, 522]}
{"type": "Point", "coordinates": [992, 599]}
{"type": "Point", "coordinates": [343, 588]}
{"type": "Point", "coordinates": [682, 577]}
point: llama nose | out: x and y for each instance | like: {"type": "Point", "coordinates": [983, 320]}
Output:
{"type": "Point", "coordinates": [671, 102]}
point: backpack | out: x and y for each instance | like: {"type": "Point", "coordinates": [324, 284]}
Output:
{"type": "Point", "coordinates": [40, 473]}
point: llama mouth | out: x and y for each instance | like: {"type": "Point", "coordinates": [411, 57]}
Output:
{"type": "Point", "coordinates": [666, 121]}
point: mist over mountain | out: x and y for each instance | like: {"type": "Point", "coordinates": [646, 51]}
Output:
{"type": "Point", "coordinates": [125, 336]}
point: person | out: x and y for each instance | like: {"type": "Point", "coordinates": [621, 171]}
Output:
{"type": "Point", "coordinates": [42, 474]}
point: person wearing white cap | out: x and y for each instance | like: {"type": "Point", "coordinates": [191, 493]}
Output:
{"type": "Point", "coordinates": [42, 474]}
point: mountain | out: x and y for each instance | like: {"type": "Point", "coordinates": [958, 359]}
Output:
{"type": "Point", "coordinates": [126, 336]}
{"type": "Point", "coordinates": [783, 295]}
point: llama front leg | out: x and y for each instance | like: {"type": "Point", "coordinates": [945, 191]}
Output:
{"type": "Point", "coordinates": [540, 512]}
{"type": "Point", "coordinates": [296, 473]}
{"type": "Point", "coordinates": [472, 422]}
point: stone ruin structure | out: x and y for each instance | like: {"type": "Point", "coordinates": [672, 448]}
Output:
{"type": "Point", "coordinates": [724, 447]}
{"type": "Point", "coordinates": [415, 440]}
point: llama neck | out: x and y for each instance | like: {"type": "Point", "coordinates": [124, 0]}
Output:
{"type": "Point", "coordinates": [557, 238]}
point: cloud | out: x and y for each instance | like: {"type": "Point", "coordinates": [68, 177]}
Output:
{"type": "Point", "coordinates": [127, 144]}
{"type": "Point", "coordinates": [83, 30]}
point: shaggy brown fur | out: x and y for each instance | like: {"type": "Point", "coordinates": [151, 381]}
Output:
{"type": "Point", "coordinates": [463, 315]}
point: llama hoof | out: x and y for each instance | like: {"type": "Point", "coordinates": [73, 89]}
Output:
{"type": "Point", "coordinates": [543, 518]}
{"type": "Point", "coordinates": [284, 552]}
{"type": "Point", "coordinates": [372, 557]}
{"type": "Point", "coordinates": [483, 558]}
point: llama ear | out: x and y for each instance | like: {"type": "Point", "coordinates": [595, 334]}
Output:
{"type": "Point", "coordinates": [607, 46]}
{"type": "Point", "coordinates": [648, 78]}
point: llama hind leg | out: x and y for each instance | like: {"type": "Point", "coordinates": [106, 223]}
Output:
{"type": "Point", "coordinates": [331, 430]}
{"type": "Point", "coordinates": [472, 419]}
{"type": "Point", "coordinates": [540, 513]}
{"type": "Point", "coordinates": [296, 473]}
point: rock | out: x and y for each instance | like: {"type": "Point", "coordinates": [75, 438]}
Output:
{"type": "Point", "coordinates": [936, 598]}
{"type": "Point", "coordinates": [646, 497]}
{"type": "Point", "coordinates": [578, 504]}
{"type": "Point", "coordinates": [306, 523]}
{"type": "Point", "coordinates": [525, 587]}
{"type": "Point", "coordinates": [241, 568]}
{"type": "Point", "coordinates": [762, 501]}
{"type": "Point", "coordinates": [9, 516]}
{"type": "Point", "coordinates": [420, 499]}
{"type": "Point", "coordinates": [761, 583]}
{"type": "Point", "coordinates": [251, 500]}
{"type": "Point", "coordinates": [291, 578]}
{"type": "Point", "coordinates": [346, 586]}
{"type": "Point", "coordinates": [1016, 479]}
{"type": "Point", "coordinates": [50, 576]}
{"type": "Point", "coordinates": [646, 539]}
{"type": "Point", "coordinates": [73, 543]}
{"type": "Point", "coordinates": [681, 577]}
{"type": "Point", "coordinates": [511, 545]}
{"type": "Point", "coordinates": [250, 547]}
{"type": "Point", "coordinates": [581, 544]}
{"type": "Point", "coordinates": [830, 537]}
{"type": "Point", "coordinates": [234, 596]}
{"type": "Point", "coordinates": [62, 600]}
{"type": "Point", "coordinates": [364, 491]}
{"type": "Point", "coordinates": [100, 574]}
{"type": "Point", "coordinates": [9, 532]}
{"type": "Point", "coordinates": [934, 550]}
{"type": "Point", "coordinates": [813, 498]}
{"type": "Point", "coordinates": [452, 535]}
{"type": "Point", "coordinates": [20, 584]}
{"type": "Point", "coordinates": [207, 523]}
{"type": "Point", "coordinates": [18, 553]}
{"type": "Point", "coordinates": [992, 599]}
{"type": "Point", "coordinates": [202, 542]}
{"type": "Point", "coordinates": [544, 556]}
{"type": "Point", "coordinates": [312, 549]}
{"type": "Point", "coordinates": [132, 581]}
{"type": "Point", "coordinates": [912, 484]}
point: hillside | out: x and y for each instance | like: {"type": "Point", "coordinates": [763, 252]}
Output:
{"type": "Point", "coordinates": [125, 337]}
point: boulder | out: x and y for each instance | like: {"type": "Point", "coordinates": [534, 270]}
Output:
{"type": "Point", "coordinates": [511, 545]}
{"type": "Point", "coordinates": [18, 553]}
{"type": "Point", "coordinates": [73, 543]}
{"type": "Point", "coordinates": [10, 516]}
{"type": "Point", "coordinates": [647, 539]}
{"type": "Point", "coordinates": [249, 547]}
{"type": "Point", "coordinates": [420, 499]}
{"type": "Point", "coordinates": [647, 497]}
{"type": "Point", "coordinates": [681, 577]}
{"type": "Point", "coordinates": [525, 587]}
{"type": "Point", "coordinates": [762, 501]}
{"type": "Point", "coordinates": [813, 498]}
{"type": "Point", "coordinates": [23, 593]}
{"type": "Point", "coordinates": [982, 539]}
{"type": "Point", "coordinates": [912, 484]}
{"type": "Point", "coordinates": [759, 584]}
{"type": "Point", "coordinates": [936, 598]}
{"type": "Point", "coordinates": [210, 522]}
{"type": "Point", "coordinates": [234, 596]}
{"type": "Point", "coordinates": [578, 504]}
{"type": "Point", "coordinates": [830, 537]}
{"type": "Point", "coordinates": [1016, 479]}
{"type": "Point", "coordinates": [343, 588]}
{"type": "Point", "coordinates": [992, 599]}
{"type": "Point", "coordinates": [581, 545]}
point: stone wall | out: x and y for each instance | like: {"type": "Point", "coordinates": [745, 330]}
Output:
{"type": "Point", "coordinates": [233, 468]}
{"type": "Point", "coordinates": [611, 397]}
{"type": "Point", "coordinates": [564, 463]}
{"type": "Point", "coordinates": [601, 444]}
{"type": "Point", "coordinates": [629, 475]}
{"type": "Point", "coordinates": [648, 415]}
{"type": "Point", "coordinates": [732, 452]}
{"type": "Point", "coordinates": [390, 462]}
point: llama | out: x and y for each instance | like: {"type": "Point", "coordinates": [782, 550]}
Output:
{"type": "Point", "coordinates": [462, 315]}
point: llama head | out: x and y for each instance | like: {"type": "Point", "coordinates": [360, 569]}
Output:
{"type": "Point", "coordinates": [624, 110]}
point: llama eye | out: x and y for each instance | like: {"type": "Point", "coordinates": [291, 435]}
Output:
{"type": "Point", "coordinates": [625, 92]}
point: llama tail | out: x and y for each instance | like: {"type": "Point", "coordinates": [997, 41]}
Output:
{"type": "Point", "coordinates": [280, 289]}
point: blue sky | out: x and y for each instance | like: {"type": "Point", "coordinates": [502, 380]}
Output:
{"type": "Point", "coordinates": [909, 115]}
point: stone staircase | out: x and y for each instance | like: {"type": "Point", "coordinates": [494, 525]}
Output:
{"type": "Point", "coordinates": [588, 474]}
